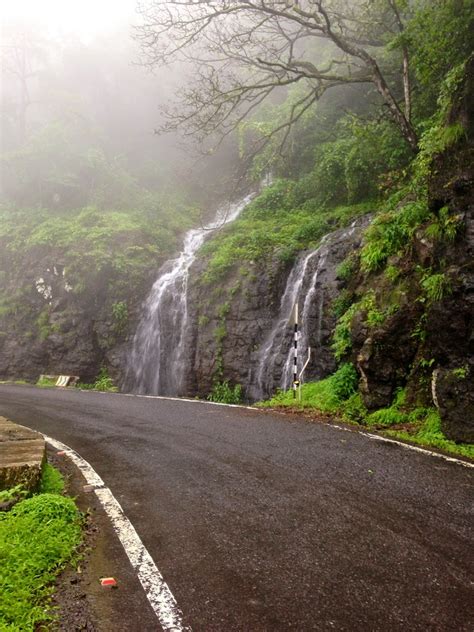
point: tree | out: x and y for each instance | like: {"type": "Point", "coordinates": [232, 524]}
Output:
{"type": "Point", "coordinates": [22, 55]}
{"type": "Point", "coordinates": [244, 51]}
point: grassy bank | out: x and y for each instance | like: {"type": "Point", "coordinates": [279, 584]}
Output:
{"type": "Point", "coordinates": [337, 395]}
{"type": "Point", "coordinates": [38, 536]}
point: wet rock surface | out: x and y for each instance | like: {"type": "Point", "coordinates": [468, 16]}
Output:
{"type": "Point", "coordinates": [254, 336]}
{"type": "Point", "coordinates": [428, 343]}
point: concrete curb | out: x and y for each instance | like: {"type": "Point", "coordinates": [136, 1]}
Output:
{"type": "Point", "coordinates": [22, 454]}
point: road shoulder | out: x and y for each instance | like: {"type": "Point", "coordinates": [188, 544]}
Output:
{"type": "Point", "coordinates": [82, 602]}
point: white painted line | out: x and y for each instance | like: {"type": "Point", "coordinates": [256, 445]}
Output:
{"type": "Point", "coordinates": [173, 399]}
{"type": "Point", "coordinates": [156, 589]}
{"type": "Point", "coordinates": [410, 446]}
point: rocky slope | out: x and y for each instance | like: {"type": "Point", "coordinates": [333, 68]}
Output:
{"type": "Point", "coordinates": [232, 324]}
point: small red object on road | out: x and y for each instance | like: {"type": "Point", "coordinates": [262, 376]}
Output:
{"type": "Point", "coordinates": [108, 582]}
{"type": "Point", "coordinates": [61, 453]}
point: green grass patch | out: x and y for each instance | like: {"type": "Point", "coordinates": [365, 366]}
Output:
{"type": "Point", "coordinates": [37, 538]}
{"type": "Point", "coordinates": [46, 382]}
{"type": "Point", "coordinates": [52, 481]}
{"type": "Point", "coordinates": [337, 394]}
{"type": "Point", "coordinates": [428, 433]}
{"type": "Point", "coordinates": [326, 395]}
{"type": "Point", "coordinates": [224, 393]}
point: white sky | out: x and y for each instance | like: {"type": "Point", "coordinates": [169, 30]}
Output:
{"type": "Point", "coordinates": [86, 18]}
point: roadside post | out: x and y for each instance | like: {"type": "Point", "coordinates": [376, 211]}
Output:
{"type": "Point", "coordinates": [294, 322]}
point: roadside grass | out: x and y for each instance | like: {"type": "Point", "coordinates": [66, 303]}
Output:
{"type": "Point", "coordinates": [428, 433]}
{"type": "Point", "coordinates": [103, 382]}
{"type": "Point", "coordinates": [47, 382]}
{"type": "Point", "coordinates": [37, 539]}
{"type": "Point", "coordinates": [337, 395]}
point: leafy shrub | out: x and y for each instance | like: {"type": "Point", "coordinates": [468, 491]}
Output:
{"type": "Point", "coordinates": [341, 303]}
{"type": "Point", "coordinates": [392, 273]}
{"type": "Point", "coordinates": [46, 382]}
{"type": "Point", "coordinates": [103, 382]}
{"type": "Point", "coordinates": [445, 226]}
{"type": "Point", "coordinates": [120, 316]}
{"type": "Point", "coordinates": [13, 493]}
{"type": "Point", "coordinates": [344, 381]}
{"type": "Point", "coordinates": [342, 336]}
{"type": "Point", "coordinates": [345, 269]}
{"type": "Point", "coordinates": [390, 233]}
{"type": "Point", "coordinates": [436, 286]}
{"type": "Point", "coordinates": [223, 393]}
{"type": "Point", "coordinates": [353, 409]}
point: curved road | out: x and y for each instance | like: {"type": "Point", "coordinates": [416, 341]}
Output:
{"type": "Point", "coordinates": [261, 522]}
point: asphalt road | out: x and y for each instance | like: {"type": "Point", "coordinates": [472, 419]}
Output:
{"type": "Point", "coordinates": [261, 522]}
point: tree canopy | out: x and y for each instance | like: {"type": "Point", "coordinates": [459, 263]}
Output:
{"type": "Point", "coordinates": [246, 51]}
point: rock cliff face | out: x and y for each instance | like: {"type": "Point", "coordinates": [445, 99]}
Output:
{"type": "Point", "coordinates": [241, 332]}
{"type": "Point", "coordinates": [46, 326]}
{"type": "Point", "coordinates": [428, 346]}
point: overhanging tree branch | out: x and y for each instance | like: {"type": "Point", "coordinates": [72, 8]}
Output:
{"type": "Point", "coordinates": [244, 50]}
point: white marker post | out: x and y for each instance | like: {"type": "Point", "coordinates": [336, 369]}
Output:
{"type": "Point", "coordinates": [294, 322]}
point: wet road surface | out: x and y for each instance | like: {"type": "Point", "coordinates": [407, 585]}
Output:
{"type": "Point", "coordinates": [263, 522]}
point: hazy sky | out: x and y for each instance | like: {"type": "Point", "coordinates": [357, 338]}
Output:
{"type": "Point", "coordinates": [85, 18]}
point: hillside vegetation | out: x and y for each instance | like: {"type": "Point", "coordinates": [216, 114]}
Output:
{"type": "Point", "coordinates": [88, 216]}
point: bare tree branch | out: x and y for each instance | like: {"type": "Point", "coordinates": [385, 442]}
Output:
{"type": "Point", "coordinates": [242, 51]}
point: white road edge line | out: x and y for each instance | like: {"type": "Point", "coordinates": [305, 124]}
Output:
{"type": "Point", "coordinates": [156, 589]}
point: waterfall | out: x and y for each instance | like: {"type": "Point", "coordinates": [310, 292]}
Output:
{"type": "Point", "coordinates": [274, 361]}
{"type": "Point", "coordinates": [158, 362]}
{"type": "Point", "coordinates": [314, 300]}
{"type": "Point", "coordinates": [306, 285]}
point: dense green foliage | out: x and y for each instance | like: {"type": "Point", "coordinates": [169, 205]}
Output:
{"type": "Point", "coordinates": [428, 433]}
{"type": "Point", "coordinates": [281, 221]}
{"type": "Point", "coordinates": [37, 538]}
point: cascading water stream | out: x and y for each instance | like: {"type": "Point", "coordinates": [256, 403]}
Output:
{"type": "Point", "coordinates": [272, 347]}
{"type": "Point", "coordinates": [313, 298]}
{"type": "Point", "coordinates": [158, 364]}
{"type": "Point", "coordinates": [274, 361]}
